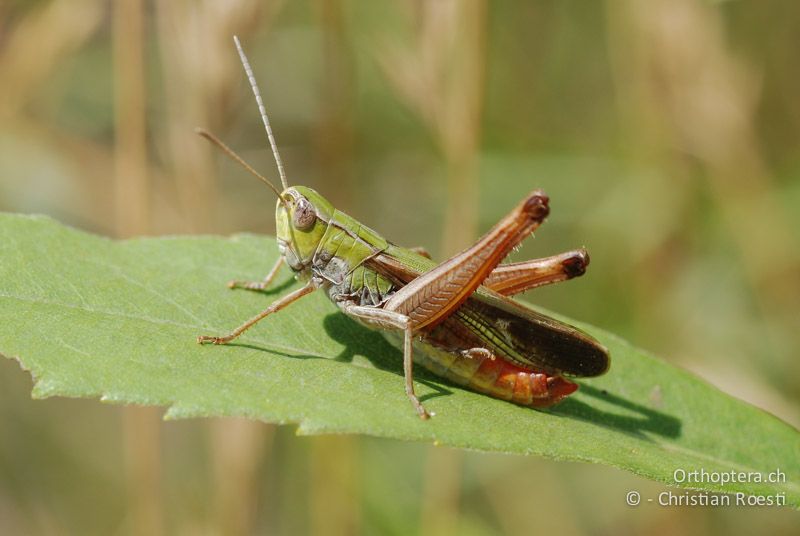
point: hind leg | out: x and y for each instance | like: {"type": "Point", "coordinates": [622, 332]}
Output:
{"type": "Point", "coordinates": [510, 279]}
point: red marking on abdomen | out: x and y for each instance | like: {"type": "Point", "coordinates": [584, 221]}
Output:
{"type": "Point", "coordinates": [504, 380]}
{"type": "Point", "coordinates": [497, 377]}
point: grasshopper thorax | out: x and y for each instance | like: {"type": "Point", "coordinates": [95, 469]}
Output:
{"type": "Point", "coordinates": [301, 219]}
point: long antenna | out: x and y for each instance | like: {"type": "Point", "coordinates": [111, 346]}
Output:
{"type": "Point", "coordinates": [236, 158]}
{"type": "Point", "coordinates": [262, 111]}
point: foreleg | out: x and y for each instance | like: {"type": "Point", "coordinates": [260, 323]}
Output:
{"type": "Point", "coordinates": [274, 307]}
{"type": "Point", "coordinates": [259, 285]}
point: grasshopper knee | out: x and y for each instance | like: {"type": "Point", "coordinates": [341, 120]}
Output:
{"type": "Point", "coordinates": [536, 205]}
{"type": "Point", "coordinates": [575, 265]}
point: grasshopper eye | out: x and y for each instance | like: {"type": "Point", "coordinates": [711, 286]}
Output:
{"type": "Point", "coordinates": [304, 215]}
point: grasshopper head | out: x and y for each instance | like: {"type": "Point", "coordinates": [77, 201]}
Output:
{"type": "Point", "coordinates": [300, 223]}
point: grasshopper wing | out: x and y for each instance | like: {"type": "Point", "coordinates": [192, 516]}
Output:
{"type": "Point", "coordinates": [530, 338]}
{"type": "Point", "coordinates": [506, 327]}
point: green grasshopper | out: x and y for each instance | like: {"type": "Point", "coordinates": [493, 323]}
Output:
{"type": "Point", "coordinates": [454, 318]}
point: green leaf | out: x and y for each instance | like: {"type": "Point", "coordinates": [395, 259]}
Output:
{"type": "Point", "coordinates": [92, 317]}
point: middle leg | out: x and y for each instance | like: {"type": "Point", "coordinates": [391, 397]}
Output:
{"type": "Point", "coordinates": [394, 320]}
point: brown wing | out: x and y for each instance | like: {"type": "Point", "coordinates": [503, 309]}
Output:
{"type": "Point", "coordinates": [530, 338]}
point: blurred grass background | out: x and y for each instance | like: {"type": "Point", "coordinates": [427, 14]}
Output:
{"type": "Point", "coordinates": [665, 132]}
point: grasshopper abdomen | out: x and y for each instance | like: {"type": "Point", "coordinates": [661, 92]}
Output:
{"type": "Point", "coordinates": [489, 374]}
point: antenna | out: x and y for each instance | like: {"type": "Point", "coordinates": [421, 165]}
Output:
{"type": "Point", "coordinates": [262, 111]}
{"type": "Point", "coordinates": [235, 157]}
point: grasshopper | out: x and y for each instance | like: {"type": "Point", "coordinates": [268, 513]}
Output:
{"type": "Point", "coordinates": [455, 318]}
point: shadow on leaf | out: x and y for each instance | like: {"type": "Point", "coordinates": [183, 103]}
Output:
{"type": "Point", "coordinates": [638, 420]}
{"type": "Point", "coordinates": [360, 341]}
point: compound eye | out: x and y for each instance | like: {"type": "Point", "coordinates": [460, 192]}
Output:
{"type": "Point", "coordinates": [304, 215]}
